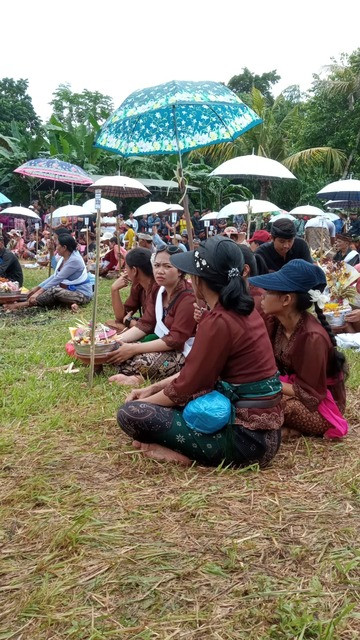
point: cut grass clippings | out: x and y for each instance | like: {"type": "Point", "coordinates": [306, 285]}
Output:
{"type": "Point", "coordinates": [98, 542]}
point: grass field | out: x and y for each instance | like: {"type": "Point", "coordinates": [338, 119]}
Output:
{"type": "Point", "coordinates": [97, 542]}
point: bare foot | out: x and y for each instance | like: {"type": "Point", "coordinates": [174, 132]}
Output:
{"type": "Point", "coordinates": [289, 434]}
{"type": "Point", "coordinates": [74, 308]}
{"type": "Point", "coordinates": [16, 305]}
{"type": "Point", "coordinates": [131, 381]}
{"type": "Point", "coordinates": [162, 454]}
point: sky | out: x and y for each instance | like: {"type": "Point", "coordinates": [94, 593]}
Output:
{"type": "Point", "coordinates": [118, 46]}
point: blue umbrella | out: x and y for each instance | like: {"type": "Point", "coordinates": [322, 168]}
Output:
{"type": "Point", "coordinates": [176, 117]}
{"type": "Point", "coordinates": [4, 199]}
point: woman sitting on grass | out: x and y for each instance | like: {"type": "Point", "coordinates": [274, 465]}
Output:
{"type": "Point", "coordinates": [232, 353]}
{"type": "Point", "coordinates": [312, 370]}
{"type": "Point", "coordinates": [138, 271]}
{"type": "Point", "coordinates": [168, 321]}
{"type": "Point", "coordinates": [70, 285]}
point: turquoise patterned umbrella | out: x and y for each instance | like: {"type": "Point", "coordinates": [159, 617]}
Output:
{"type": "Point", "coordinates": [175, 116]}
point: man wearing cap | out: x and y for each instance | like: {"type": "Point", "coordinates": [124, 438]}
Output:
{"type": "Point", "coordinates": [145, 241]}
{"type": "Point", "coordinates": [185, 239]}
{"type": "Point", "coordinates": [344, 251]}
{"type": "Point", "coordinates": [10, 266]}
{"type": "Point", "coordinates": [354, 229]}
{"type": "Point", "coordinates": [258, 238]}
{"type": "Point", "coordinates": [284, 246]}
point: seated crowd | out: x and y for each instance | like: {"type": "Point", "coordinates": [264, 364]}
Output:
{"type": "Point", "coordinates": [248, 324]}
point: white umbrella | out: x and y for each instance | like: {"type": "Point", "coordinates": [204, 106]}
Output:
{"type": "Point", "coordinates": [282, 216]}
{"type": "Point", "coordinates": [19, 212]}
{"type": "Point", "coordinates": [253, 166]}
{"type": "Point", "coordinates": [331, 216]}
{"type": "Point", "coordinates": [213, 215]}
{"type": "Point", "coordinates": [348, 190]}
{"type": "Point", "coordinates": [307, 210]}
{"type": "Point", "coordinates": [150, 208]}
{"type": "Point", "coordinates": [106, 206]}
{"type": "Point", "coordinates": [69, 211]}
{"type": "Point", "coordinates": [120, 186]}
{"type": "Point", "coordinates": [247, 207]}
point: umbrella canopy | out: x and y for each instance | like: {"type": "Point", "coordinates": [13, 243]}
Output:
{"type": "Point", "coordinates": [175, 116]}
{"type": "Point", "coordinates": [253, 166]}
{"type": "Point", "coordinates": [119, 186]}
{"type": "Point", "coordinates": [287, 216]}
{"type": "Point", "coordinates": [246, 207]}
{"type": "Point", "coordinates": [20, 212]}
{"type": "Point", "coordinates": [331, 216]}
{"type": "Point", "coordinates": [150, 208]}
{"type": "Point", "coordinates": [106, 206]}
{"type": "Point", "coordinates": [341, 204]}
{"type": "Point", "coordinates": [307, 210]}
{"type": "Point", "coordinates": [348, 190]}
{"type": "Point", "coordinates": [4, 199]}
{"type": "Point", "coordinates": [213, 215]}
{"type": "Point", "coordinates": [69, 211]}
{"type": "Point", "coordinates": [55, 170]}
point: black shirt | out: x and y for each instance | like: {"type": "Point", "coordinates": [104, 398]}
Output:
{"type": "Point", "coordinates": [339, 257]}
{"type": "Point", "coordinates": [274, 261]}
{"type": "Point", "coordinates": [10, 267]}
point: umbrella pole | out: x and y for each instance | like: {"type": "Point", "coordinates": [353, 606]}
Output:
{"type": "Point", "coordinates": [51, 229]}
{"type": "Point", "coordinates": [118, 240]}
{"type": "Point", "coordinates": [185, 200]}
{"type": "Point", "coordinates": [96, 286]}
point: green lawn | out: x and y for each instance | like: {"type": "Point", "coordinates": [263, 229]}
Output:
{"type": "Point", "coordinates": [97, 542]}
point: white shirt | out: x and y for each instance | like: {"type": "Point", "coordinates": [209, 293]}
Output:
{"type": "Point", "coordinates": [321, 221]}
{"type": "Point", "coordinates": [108, 220]}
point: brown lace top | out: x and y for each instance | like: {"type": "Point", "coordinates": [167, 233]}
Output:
{"type": "Point", "coordinates": [307, 354]}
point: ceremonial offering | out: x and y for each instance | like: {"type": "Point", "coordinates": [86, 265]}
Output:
{"type": "Point", "coordinates": [81, 338]}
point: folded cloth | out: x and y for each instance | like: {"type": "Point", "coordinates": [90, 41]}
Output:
{"type": "Point", "coordinates": [348, 341]}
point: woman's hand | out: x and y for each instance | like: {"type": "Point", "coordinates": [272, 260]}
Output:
{"type": "Point", "coordinates": [141, 394]}
{"type": "Point", "coordinates": [124, 352]}
{"type": "Point", "coordinates": [120, 283]}
{"type": "Point", "coordinates": [354, 316]}
{"type": "Point", "coordinates": [198, 311]}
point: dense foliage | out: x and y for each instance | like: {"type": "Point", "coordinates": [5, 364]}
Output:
{"type": "Point", "coordinates": [317, 135]}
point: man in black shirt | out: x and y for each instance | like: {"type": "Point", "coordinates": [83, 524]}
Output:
{"type": "Point", "coordinates": [284, 245]}
{"type": "Point", "coordinates": [197, 224]}
{"type": "Point", "coordinates": [10, 267]}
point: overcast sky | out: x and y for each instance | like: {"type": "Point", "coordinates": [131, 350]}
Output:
{"type": "Point", "coordinates": [118, 46]}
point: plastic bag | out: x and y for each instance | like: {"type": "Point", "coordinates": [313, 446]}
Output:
{"type": "Point", "coordinates": [208, 413]}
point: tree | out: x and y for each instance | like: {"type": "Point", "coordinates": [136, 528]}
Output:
{"type": "Point", "coordinates": [245, 82]}
{"type": "Point", "coordinates": [16, 106]}
{"type": "Point", "coordinates": [73, 109]}
{"type": "Point", "coordinates": [277, 138]}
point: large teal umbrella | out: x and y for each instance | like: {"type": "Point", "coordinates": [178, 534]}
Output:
{"type": "Point", "coordinates": [176, 117]}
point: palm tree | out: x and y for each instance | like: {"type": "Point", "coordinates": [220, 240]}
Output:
{"type": "Point", "coordinates": [272, 139]}
{"type": "Point", "coordinates": [344, 79]}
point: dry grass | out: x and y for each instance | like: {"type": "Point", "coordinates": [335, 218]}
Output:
{"type": "Point", "coordinates": [98, 542]}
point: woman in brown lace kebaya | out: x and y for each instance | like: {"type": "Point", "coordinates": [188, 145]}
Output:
{"type": "Point", "coordinates": [232, 353]}
{"type": "Point", "coordinates": [311, 368]}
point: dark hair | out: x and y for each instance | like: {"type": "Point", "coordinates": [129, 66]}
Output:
{"type": "Point", "coordinates": [113, 239]}
{"type": "Point", "coordinates": [234, 295]}
{"type": "Point", "coordinates": [61, 231]}
{"type": "Point", "coordinates": [303, 302]}
{"type": "Point", "coordinates": [141, 259]}
{"type": "Point", "coordinates": [260, 264]}
{"type": "Point", "coordinates": [249, 259]}
{"type": "Point", "coordinates": [171, 249]}
{"type": "Point", "coordinates": [66, 240]}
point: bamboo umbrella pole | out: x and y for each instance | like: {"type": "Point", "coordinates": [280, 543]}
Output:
{"type": "Point", "coordinates": [96, 287]}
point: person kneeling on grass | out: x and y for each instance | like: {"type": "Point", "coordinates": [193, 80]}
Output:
{"type": "Point", "coordinates": [232, 353]}
{"type": "Point", "coordinates": [138, 271]}
{"type": "Point", "coordinates": [312, 370]}
{"type": "Point", "coordinates": [70, 285]}
{"type": "Point", "coordinates": [167, 324]}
